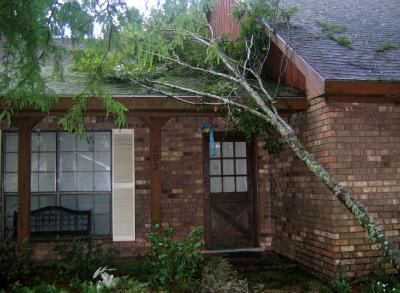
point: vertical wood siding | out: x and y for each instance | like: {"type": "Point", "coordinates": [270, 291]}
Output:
{"type": "Point", "coordinates": [221, 20]}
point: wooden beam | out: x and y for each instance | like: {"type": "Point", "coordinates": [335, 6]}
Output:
{"type": "Point", "coordinates": [153, 106]}
{"type": "Point", "coordinates": [369, 90]}
{"type": "Point", "coordinates": [25, 125]}
{"type": "Point", "coordinates": [155, 124]}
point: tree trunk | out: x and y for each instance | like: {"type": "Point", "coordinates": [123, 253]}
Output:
{"type": "Point", "coordinates": [375, 233]}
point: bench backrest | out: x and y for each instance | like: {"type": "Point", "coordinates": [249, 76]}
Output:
{"type": "Point", "coordinates": [56, 220]}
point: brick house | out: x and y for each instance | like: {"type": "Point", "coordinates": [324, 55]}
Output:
{"type": "Point", "coordinates": [342, 104]}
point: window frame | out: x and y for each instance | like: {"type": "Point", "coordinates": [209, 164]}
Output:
{"type": "Point", "coordinates": [57, 194]}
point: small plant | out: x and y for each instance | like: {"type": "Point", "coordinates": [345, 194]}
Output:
{"type": "Point", "coordinates": [342, 41]}
{"type": "Point", "coordinates": [386, 46]}
{"type": "Point", "coordinates": [341, 284]}
{"type": "Point", "coordinates": [331, 27]}
{"type": "Point", "coordinates": [79, 260]}
{"type": "Point", "coordinates": [107, 280]}
{"type": "Point", "coordinates": [15, 265]}
{"type": "Point", "coordinates": [175, 266]}
{"type": "Point", "coordinates": [219, 277]}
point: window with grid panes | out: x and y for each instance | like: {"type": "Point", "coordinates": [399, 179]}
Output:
{"type": "Point", "coordinates": [66, 170]}
{"type": "Point", "coordinates": [228, 168]}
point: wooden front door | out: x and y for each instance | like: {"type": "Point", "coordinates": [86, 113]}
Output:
{"type": "Point", "coordinates": [229, 193]}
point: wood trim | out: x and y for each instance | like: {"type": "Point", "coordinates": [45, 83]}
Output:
{"type": "Point", "coordinates": [206, 180]}
{"type": "Point", "coordinates": [156, 106]}
{"type": "Point", "coordinates": [25, 125]}
{"type": "Point", "coordinates": [256, 197]}
{"type": "Point", "coordinates": [315, 83]}
{"type": "Point", "coordinates": [155, 124]}
{"type": "Point", "coordinates": [372, 91]}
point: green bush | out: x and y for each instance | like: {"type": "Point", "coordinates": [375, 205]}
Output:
{"type": "Point", "coordinates": [219, 277]}
{"type": "Point", "coordinates": [78, 260]}
{"type": "Point", "coordinates": [175, 266]}
{"type": "Point", "coordinates": [15, 266]}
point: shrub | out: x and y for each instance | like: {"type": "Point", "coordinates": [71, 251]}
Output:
{"type": "Point", "coordinates": [80, 260]}
{"type": "Point", "coordinates": [14, 266]}
{"type": "Point", "coordinates": [175, 266]}
{"type": "Point", "coordinates": [219, 277]}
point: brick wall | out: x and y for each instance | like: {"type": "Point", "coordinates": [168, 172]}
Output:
{"type": "Point", "coordinates": [359, 145]}
{"type": "Point", "coordinates": [182, 180]}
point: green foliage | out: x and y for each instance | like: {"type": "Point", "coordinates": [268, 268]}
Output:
{"type": "Point", "coordinates": [252, 126]}
{"type": "Point", "coordinates": [80, 259]}
{"type": "Point", "coordinates": [218, 276]}
{"type": "Point", "coordinates": [386, 46]}
{"type": "Point", "coordinates": [343, 41]}
{"type": "Point", "coordinates": [175, 265]}
{"type": "Point", "coordinates": [331, 27]}
{"type": "Point", "coordinates": [341, 284]}
{"type": "Point", "coordinates": [15, 265]}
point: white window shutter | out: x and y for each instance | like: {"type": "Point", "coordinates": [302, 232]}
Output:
{"type": "Point", "coordinates": [123, 196]}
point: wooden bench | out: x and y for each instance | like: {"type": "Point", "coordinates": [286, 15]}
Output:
{"type": "Point", "coordinates": [59, 221]}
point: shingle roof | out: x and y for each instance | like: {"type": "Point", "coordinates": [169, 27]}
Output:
{"type": "Point", "coordinates": [370, 25]}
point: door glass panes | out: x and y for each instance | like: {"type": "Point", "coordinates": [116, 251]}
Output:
{"type": "Point", "coordinates": [228, 172]}
{"type": "Point", "coordinates": [240, 149]}
{"type": "Point", "coordinates": [229, 184]}
{"type": "Point", "coordinates": [215, 167]}
{"type": "Point", "coordinates": [227, 149]}
{"type": "Point", "coordinates": [241, 166]}
{"type": "Point", "coordinates": [215, 184]}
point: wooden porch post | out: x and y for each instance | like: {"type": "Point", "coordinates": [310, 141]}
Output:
{"type": "Point", "coordinates": [155, 123]}
{"type": "Point", "coordinates": [25, 125]}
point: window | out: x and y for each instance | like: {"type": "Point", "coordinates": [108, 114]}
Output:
{"type": "Point", "coordinates": [66, 170]}
{"type": "Point", "coordinates": [228, 168]}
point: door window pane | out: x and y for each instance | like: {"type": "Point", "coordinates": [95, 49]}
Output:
{"type": "Point", "coordinates": [241, 166]}
{"type": "Point", "coordinates": [240, 149]}
{"type": "Point", "coordinates": [228, 167]}
{"type": "Point", "coordinates": [241, 184]}
{"type": "Point", "coordinates": [227, 149]}
{"type": "Point", "coordinates": [215, 184]}
{"type": "Point", "coordinates": [215, 167]}
{"type": "Point", "coordinates": [229, 184]}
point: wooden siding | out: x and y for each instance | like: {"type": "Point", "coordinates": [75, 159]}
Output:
{"type": "Point", "coordinates": [289, 73]}
{"type": "Point", "coordinates": [221, 20]}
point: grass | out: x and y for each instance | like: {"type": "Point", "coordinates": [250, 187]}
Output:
{"type": "Point", "coordinates": [386, 46]}
{"type": "Point", "coordinates": [331, 28]}
{"type": "Point", "coordinates": [342, 41]}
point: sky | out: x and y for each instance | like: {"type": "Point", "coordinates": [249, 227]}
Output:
{"type": "Point", "coordinates": [143, 5]}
